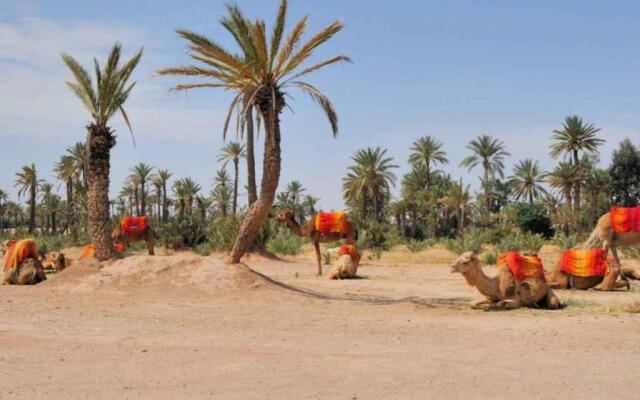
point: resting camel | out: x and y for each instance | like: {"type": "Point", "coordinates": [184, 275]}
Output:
{"type": "Point", "coordinates": [55, 262]}
{"type": "Point", "coordinates": [502, 292]}
{"type": "Point", "coordinates": [610, 239]}
{"type": "Point", "coordinates": [346, 267]}
{"type": "Point", "coordinates": [22, 266]}
{"type": "Point", "coordinates": [126, 236]}
{"type": "Point", "coordinates": [309, 230]}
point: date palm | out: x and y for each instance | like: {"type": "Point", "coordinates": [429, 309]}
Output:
{"type": "Point", "coordinates": [527, 180]}
{"type": "Point", "coordinates": [141, 175]}
{"type": "Point", "coordinates": [488, 153]}
{"type": "Point", "coordinates": [427, 151]}
{"type": "Point", "coordinates": [65, 170]}
{"type": "Point", "coordinates": [259, 77]}
{"type": "Point", "coordinates": [185, 190]}
{"type": "Point", "coordinates": [103, 101]}
{"type": "Point", "coordinates": [368, 183]}
{"type": "Point", "coordinates": [233, 151]}
{"type": "Point", "coordinates": [160, 180]}
{"type": "Point", "coordinates": [221, 196]}
{"type": "Point", "coordinates": [27, 182]}
{"type": "Point", "coordinates": [562, 177]}
{"type": "Point", "coordinates": [575, 137]}
{"type": "Point", "coordinates": [458, 198]}
{"type": "Point", "coordinates": [78, 154]}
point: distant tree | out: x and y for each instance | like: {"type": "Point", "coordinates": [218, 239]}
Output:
{"type": "Point", "coordinates": [140, 176]}
{"type": "Point", "coordinates": [527, 180]}
{"type": "Point", "coordinates": [625, 175]}
{"type": "Point", "coordinates": [427, 151]}
{"type": "Point", "coordinates": [65, 170]}
{"type": "Point", "coordinates": [27, 181]}
{"type": "Point", "coordinates": [233, 151]}
{"type": "Point", "coordinates": [4, 197]}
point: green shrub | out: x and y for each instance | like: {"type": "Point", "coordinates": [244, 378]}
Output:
{"type": "Point", "coordinates": [416, 246]}
{"type": "Point", "coordinates": [222, 233]}
{"type": "Point", "coordinates": [186, 232]}
{"type": "Point", "coordinates": [472, 240]}
{"type": "Point", "coordinates": [522, 242]}
{"type": "Point", "coordinates": [204, 248]}
{"type": "Point", "coordinates": [566, 242]}
{"type": "Point", "coordinates": [326, 258]}
{"type": "Point", "coordinates": [533, 218]}
{"type": "Point", "coordinates": [376, 253]}
{"type": "Point", "coordinates": [285, 242]}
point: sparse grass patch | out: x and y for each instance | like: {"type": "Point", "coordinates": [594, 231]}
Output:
{"type": "Point", "coordinates": [284, 242]}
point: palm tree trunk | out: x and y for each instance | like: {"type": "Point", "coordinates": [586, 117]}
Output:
{"type": "Point", "coordinates": [101, 140]}
{"type": "Point", "coordinates": [251, 160]}
{"type": "Point", "coordinates": [143, 201]}
{"type": "Point", "coordinates": [234, 206]}
{"type": "Point", "coordinates": [32, 208]}
{"type": "Point", "coordinates": [270, 177]}
{"type": "Point", "coordinates": [165, 216]}
{"type": "Point", "coordinates": [576, 192]}
{"type": "Point", "coordinates": [69, 203]}
{"type": "Point", "coordinates": [487, 200]}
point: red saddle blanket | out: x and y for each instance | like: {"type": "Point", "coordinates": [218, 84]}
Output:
{"type": "Point", "coordinates": [20, 251]}
{"type": "Point", "coordinates": [332, 222]}
{"type": "Point", "coordinates": [348, 249]}
{"type": "Point", "coordinates": [522, 267]}
{"type": "Point", "coordinates": [133, 225]}
{"type": "Point", "coordinates": [584, 263]}
{"type": "Point", "coordinates": [625, 219]}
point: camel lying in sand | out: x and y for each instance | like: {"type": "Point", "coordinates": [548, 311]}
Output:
{"type": "Point", "coordinates": [22, 266]}
{"type": "Point", "coordinates": [503, 292]}
{"type": "Point", "coordinates": [346, 267]}
{"type": "Point", "coordinates": [126, 236]}
{"type": "Point", "coordinates": [55, 262]}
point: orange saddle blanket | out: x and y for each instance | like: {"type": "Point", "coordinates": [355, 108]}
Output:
{"type": "Point", "coordinates": [584, 263]}
{"type": "Point", "coordinates": [20, 251]}
{"type": "Point", "coordinates": [91, 248]}
{"type": "Point", "coordinates": [625, 220]}
{"type": "Point", "coordinates": [133, 225]}
{"type": "Point", "coordinates": [522, 267]}
{"type": "Point", "coordinates": [332, 222]}
{"type": "Point", "coordinates": [348, 249]}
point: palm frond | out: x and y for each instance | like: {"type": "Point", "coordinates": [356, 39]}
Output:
{"type": "Point", "coordinates": [323, 101]}
{"type": "Point", "coordinates": [276, 35]}
{"type": "Point", "coordinates": [300, 56]}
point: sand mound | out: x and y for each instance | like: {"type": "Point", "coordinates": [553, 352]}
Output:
{"type": "Point", "coordinates": [182, 271]}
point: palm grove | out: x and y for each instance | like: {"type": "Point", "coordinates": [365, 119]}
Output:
{"type": "Point", "coordinates": [430, 203]}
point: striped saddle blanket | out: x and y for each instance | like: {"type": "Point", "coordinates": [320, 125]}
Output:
{"type": "Point", "coordinates": [522, 267]}
{"type": "Point", "coordinates": [133, 225]}
{"type": "Point", "coordinates": [348, 249]}
{"type": "Point", "coordinates": [584, 263]}
{"type": "Point", "coordinates": [20, 251]}
{"type": "Point", "coordinates": [332, 222]}
{"type": "Point", "coordinates": [625, 220]}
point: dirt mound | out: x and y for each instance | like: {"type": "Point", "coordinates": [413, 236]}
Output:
{"type": "Point", "coordinates": [140, 272]}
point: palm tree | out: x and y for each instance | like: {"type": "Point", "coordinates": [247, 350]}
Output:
{"type": "Point", "coordinates": [103, 101]}
{"type": "Point", "coordinates": [13, 209]}
{"type": "Point", "coordinates": [427, 151]}
{"type": "Point", "coordinates": [221, 196]}
{"type": "Point", "coordinates": [563, 177]}
{"type": "Point", "coordinates": [527, 180]}
{"type": "Point", "coordinates": [259, 78]}
{"type": "Point", "coordinates": [27, 181]}
{"type": "Point", "coordinates": [368, 183]}
{"type": "Point", "coordinates": [140, 175]}
{"type": "Point", "coordinates": [458, 199]}
{"type": "Point", "coordinates": [185, 190]}
{"type": "Point", "coordinates": [489, 153]}
{"type": "Point", "coordinates": [160, 180]}
{"type": "Point", "coordinates": [309, 204]}
{"type": "Point", "coordinates": [575, 137]}
{"type": "Point", "coordinates": [65, 170]}
{"type": "Point", "coordinates": [4, 197]}
{"type": "Point", "coordinates": [129, 191]}
{"type": "Point", "coordinates": [233, 151]}
{"type": "Point", "coordinates": [597, 181]}
{"type": "Point", "coordinates": [78, 154]}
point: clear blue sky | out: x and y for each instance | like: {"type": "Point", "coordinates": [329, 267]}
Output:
{"type": "Point", "coordinates": [454, 70]}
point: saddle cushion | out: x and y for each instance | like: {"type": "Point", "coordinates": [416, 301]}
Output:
{"type": "Point", "coordinates": [625, 219]}
{"type": "Point", "coordinates": [20, 251]}
{"type": "Point", "coordinates": [332, 222]}
{"type": "Point", "coordinates": [584, 263]}
{"type": "Point", "coordinates": [348, 249]}
{"type": "Point", "coordinates": [133, 225]}
{"type": "Point", "coordinates": [522, 267]}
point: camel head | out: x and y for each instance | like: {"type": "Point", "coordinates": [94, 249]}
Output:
{"type": "Point", "coordinates": [55, 261]}
{"type": "Point", "coordinates": [284, 216]}
{"type": "Point", "coordinates": [468, 261]}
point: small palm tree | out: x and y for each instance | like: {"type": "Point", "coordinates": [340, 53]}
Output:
{"type": "Point", "coordinates": [458, 198]}
{"type": "Point", "coordinates": [140, 176]}
{"type": "Point", "coordinates": [233, 151]}
{"type": "Point", "coordinates": [368, 183]}
{"type": "Point", "coordinates": [185, 190]}
{"type": "Point", "coordinates": [27, 182]}
{"type": "Point", "coordinates": [575, 137]}
{"type": "Point", "coordinates": [65, 170]}
{"type": "Point", "coordinates": [562, 177]}
{"type": "Point", "coordinates": [78, 154]}
{"type": "Point", "coordinates": [489, 153]}
{"type": "Point", "coordinates": [597, 181]}
{"type": "Point", "coordinates": [527, 180]}
{"type": "Point", "coordinates": [160, 180]}
{"type": "Point", "coordinates": [427, 151]}
{"type": "Point", "coordinates": [309, 204]}
{"type": "Point", "coordinates": [103, 101]}
{"type": "Point", "coordinates": [259, 77]}
{"type": "Point", "coordinates": [221, 196]}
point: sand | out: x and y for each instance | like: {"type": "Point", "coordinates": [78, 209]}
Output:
{"type": "Point", "coordinates": [183, 326]}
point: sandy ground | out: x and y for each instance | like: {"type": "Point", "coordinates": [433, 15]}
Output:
{"type": "Point", "coordinates": [183, 326]}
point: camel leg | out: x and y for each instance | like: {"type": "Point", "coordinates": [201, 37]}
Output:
{"type": "Point", "coordinates": [508, 304]}
{"type": "Point", "coordinates": [316, 244]}
{"type": "Point", "coordinates": [610, 281]}
{"type": "Point", "coordinates": [151, 243]}
{"type": "Point", "coordinates": [631, 273]}
{"type": "Point", "coordinates": [551, 301]}
{"type": "Point", "coordinates": [480, 305]}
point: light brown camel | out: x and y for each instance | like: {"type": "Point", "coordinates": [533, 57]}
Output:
{"type": "Point", "coordinates": [346, 267]}
{"type": "Point", "coordinates": [502, 291]}
{"type": "Point", "coordinates": [610, 240]}
{"type": "Point", "coordinates": [561, 280]}
{"type": "Point", "coordinates": [308, 230]}
{"type": "Point", "coordinates": [55, 262]}
{"type": "Point", "coordinates": [120, 235]}
{"type": "Point", "coordinates": [28, 272]}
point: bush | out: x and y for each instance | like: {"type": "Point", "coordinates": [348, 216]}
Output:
{"type": "Point", "coordinates": [374, 235]}
{"type": "Point", "coordinates": [204, 249]}
{"type": "Point", "coordinates": [521, 242]}
{"type": "Point", "coordinates": [566, 242]}
{"type": "Point", "coordinates": [533, 218]}
{"type": "Point", "coordinates": [222, 233]}
{"type": "Point", "coordinates": [180, 233]}
{"type": "Point", "coordinates": [285, 242]}
{"type": "Point", "coordinates": [472, 240]}
{"type": "Point", "coordinates": [416, 246]}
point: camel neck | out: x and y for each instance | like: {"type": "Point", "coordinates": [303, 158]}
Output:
{"type": "Point", "coordinates": [295, 227]}
{"type": "Point", "coordinates": [485, 285]}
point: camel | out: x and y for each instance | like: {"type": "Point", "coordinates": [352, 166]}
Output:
{"type": "Point", "coordinates": [610, 240]}
{"type": "Point", "coordinates": [309, 230]}
{"type": "Point", "coordinates": [502, 292]}
{"type": "Point", "coordinates": [121, 235]}
{"type": "Point", "coordinates": [346, 267]}
{"type": "Point", "coordinates": [28, 272]}
{"type": "Point", "coordinates": [55, 262]}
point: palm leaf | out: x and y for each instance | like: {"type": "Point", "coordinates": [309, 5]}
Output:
{"type": "Point", "coordinates": [324, 103]}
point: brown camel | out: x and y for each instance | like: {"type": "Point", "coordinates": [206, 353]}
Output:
{"type": "Point", "coordinates": [119, 235]}
{"type": "Point", "coordinates": [610, 240]}
{"type": "Point", "coordinates": [28, 272]}
{"type": "Point", "coordinates": [308, 230]}
{"type": "Point", "coordinates": [561, 280]}
{"type": "Point", "coordinates": [55, 262]}
{"type": "Point", "coordinates": [502, 291]}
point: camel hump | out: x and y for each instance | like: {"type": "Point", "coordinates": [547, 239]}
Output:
{"type": "Point", "coordinates": [332, 222]}
{"type": "Point", "coordinates": [134, 225]}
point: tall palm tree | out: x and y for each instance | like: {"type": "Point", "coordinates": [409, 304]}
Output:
{"type": "Point", "coordinates": [46, 193]}
{"type": "Point", "coordinates": [293, 191]}
{"type": "Point", "coordinates": [527, 180]}
{"type": "Point", "coordinates": [141, 175]}
{"type": "Point", "coordinates": [563, 177]}
{"type": "Point", "coordinates": [4, 197]}
{"type": "Point", "coordinates": [27, 181]}
{"type": "Point", "coordinates": [129, 191]}
{"type": "Point", "coordinates": [458, 198]}
{"type": "Point", "coordinates": [13, 210]}
{"type": "Point", "coordinates": [160, 179]}
{"type": "Point", "coordinates": [489, 153]}
{"type": "Point", "coordinates": [368, 183]}
{"type": "Point", "coordinates": [233, 151]}
{"type": "Point", "coordinates": [103, 101]}
{"type": "Point", "coordinates": [185, 190]}
{"type": "Point", "coordinates": [427, 151]}
{"type": "Point", "coordinates": [261, 74]}
{"type": "Point", "coordinates": [65, 170]}
{"type": "Point", "coordinates": [575, 137]}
